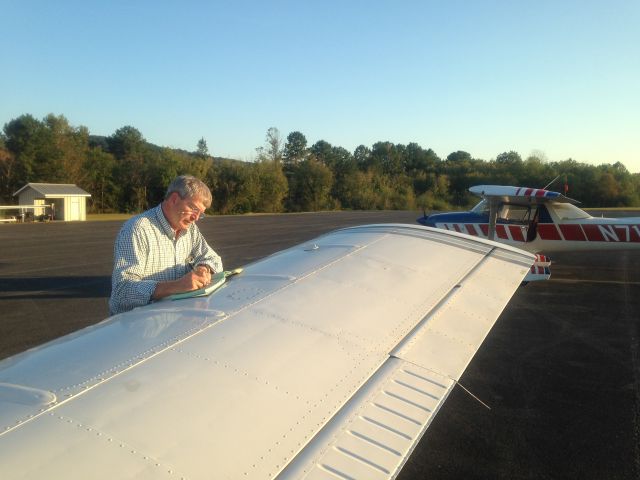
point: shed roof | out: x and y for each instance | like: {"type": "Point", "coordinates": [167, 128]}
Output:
{"type": "Point", "coordinates": [56, 190]}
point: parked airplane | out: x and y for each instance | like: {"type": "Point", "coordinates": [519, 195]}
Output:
{"type": "Point", "coordinates": [327, 360]}
{"type": "Point", "coordinates": [537, 220]}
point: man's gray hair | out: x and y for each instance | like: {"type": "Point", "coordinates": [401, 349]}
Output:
{"type": "Point", "coordinates": [188, 186]}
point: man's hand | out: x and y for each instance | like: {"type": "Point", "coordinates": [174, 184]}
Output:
{"type": "Point", "coordinates": [198, 278]}
{"type": "Point", "coordinates": [203, 272]}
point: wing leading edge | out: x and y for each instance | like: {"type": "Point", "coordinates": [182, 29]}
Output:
{"type": "Point", "coordinates": [329, 358]}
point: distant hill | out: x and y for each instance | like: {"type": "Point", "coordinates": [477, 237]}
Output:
{"type": "Point", "coordinates": [101, 141]}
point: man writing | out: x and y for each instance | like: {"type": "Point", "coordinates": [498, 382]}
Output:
{"type": "Point", "coordinates": [161, 251]}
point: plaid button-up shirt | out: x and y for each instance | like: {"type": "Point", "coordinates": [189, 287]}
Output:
{"type": "Point", "coordinates": [147, 252]}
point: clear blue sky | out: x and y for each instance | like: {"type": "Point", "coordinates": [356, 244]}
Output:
{"type": "Point", "coordinates": [558, 77]}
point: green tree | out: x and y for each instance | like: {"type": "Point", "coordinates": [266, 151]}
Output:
{"type": "Point", "coordinates": [582, 180]}
{"type": "Point", "coordinates": [421, 166]}
{"type": "Point", "coordinates": [272, 150]}
{"type": "Point", "coordinates": [362, 155]}
{"type": "Point", "coordinates": [130, 149]}
{"type": "Point", "coordinates": [356, 190]}
{"type": "Point", "coordinates": [313, 182]}
{"type": "Point", "coordinates": [462, 171]}
{"type": "Point", "coordinates": [295, 148]}
{"type": "Point", "coordinates": [437, 196]}
{"type": "Point", "coordinates": [202, 151]}
{"type": "Point", "coordinates": [127, 141]}
{"type": "Point", "coordinates": [507, 169]}
{"type": "Point", "coordinates": [100, 167]}
{"type": "Point", "coordinates": [23, 139]}
{"type": "Point", "coordinates": [46, 151]}
{"type": "Point", "coordinates": [233, 187]}
{"type": "Point", "coordinates": [536, 171]}
{"type": "Point", "coordinates": [343, 165]}
{"type": "Point", "coordinates": [64, 151]}
{"type": "Point", "coordinates": [7, 173]}
{"type": "Point", "coordinates": [272, 187]}
{"type": "Point", "coordinates": [322, 151]}
{"type": "Point", "coordinates": [417, 159]}
{"type": "Point", "coordinates": [163, 166]}
{"type": "Point", "coordinates": [294, 152]}
{"type": "Point", "coordinates": [607, 191]}
{"type": "Point", "coordinates": [402, 195]}
{"type": "Point", "coordinates": [387, 158]}
{"type": "Point", "coordinates": [393, 193]}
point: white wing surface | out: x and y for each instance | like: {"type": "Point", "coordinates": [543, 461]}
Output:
{"type": "Point", "coordinates": [521, 195]}
{"type": "Point", "coordinates": [326, 360]}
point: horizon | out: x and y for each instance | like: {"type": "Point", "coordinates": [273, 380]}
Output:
{"type": "Point", "coordinates": [557, 80]}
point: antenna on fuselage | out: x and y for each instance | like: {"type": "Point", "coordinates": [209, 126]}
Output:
{"type": "Point", "coordinates": [551, 182]}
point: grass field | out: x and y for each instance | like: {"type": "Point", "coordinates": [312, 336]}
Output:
{"type": "Point", "coordinates": [101, 217]}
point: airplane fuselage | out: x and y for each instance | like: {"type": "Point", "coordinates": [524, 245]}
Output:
{"type": "Point", "coordinates": [551, 232]}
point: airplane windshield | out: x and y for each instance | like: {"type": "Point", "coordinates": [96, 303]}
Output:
{"type": "Point", "coordinates": [566, 211]}
{"type": "Point", "coordinates": [481, 207]}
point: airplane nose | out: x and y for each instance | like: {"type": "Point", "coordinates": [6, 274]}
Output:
{"type": "Point", "coordinates": [423, 220]}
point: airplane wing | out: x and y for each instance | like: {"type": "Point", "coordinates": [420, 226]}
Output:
{"type": "Point", "coordinates": [520, 195]}
{"type": "Point", "coordinates": [326, 360]}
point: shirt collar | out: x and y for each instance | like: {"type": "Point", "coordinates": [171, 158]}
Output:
{"type": "Point", "coordinates": [164, 223]}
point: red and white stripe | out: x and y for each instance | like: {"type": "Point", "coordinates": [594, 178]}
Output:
{"type": "Point", "coordinates": [550, 231]}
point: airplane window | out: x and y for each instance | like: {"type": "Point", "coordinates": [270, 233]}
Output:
{"type": "Point", "coordinates": [566, 211]}
{"type": "Point", "coordinates": [514, 213]}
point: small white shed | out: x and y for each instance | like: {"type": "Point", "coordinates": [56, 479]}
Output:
{"type": "Point", "coordinates": [69, 200]}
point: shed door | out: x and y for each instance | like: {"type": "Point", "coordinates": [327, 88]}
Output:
{"type": "Point", "coordinates": [74, 210]}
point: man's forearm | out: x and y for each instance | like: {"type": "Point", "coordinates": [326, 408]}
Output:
{"type": "Point", "coordinates": [164, 289]}
{"type": "Point", "coordinates": [198, 278]}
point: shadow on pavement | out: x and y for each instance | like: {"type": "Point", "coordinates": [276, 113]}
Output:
{"type": "Point", "coordinates": [55, 287]}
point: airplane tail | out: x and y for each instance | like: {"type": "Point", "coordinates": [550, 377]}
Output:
{"type": "Point", "coordinates": [540, 270]}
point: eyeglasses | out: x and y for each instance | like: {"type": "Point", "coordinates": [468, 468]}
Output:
{"type": "Point", "coordinates": [194, 212]}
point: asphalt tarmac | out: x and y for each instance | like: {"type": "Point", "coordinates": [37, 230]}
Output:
{"type": "Point", "coordinates": [560, 370]}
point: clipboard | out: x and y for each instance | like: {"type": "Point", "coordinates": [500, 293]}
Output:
{"type": "Point", "coordinates": [217, 281]}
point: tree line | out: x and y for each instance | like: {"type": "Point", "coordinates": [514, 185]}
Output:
{"type": "Point", "coordinates": [125, 173]}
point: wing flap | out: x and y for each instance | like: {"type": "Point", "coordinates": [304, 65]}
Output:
{"type": "Point", "coordinates": [374, 434]}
